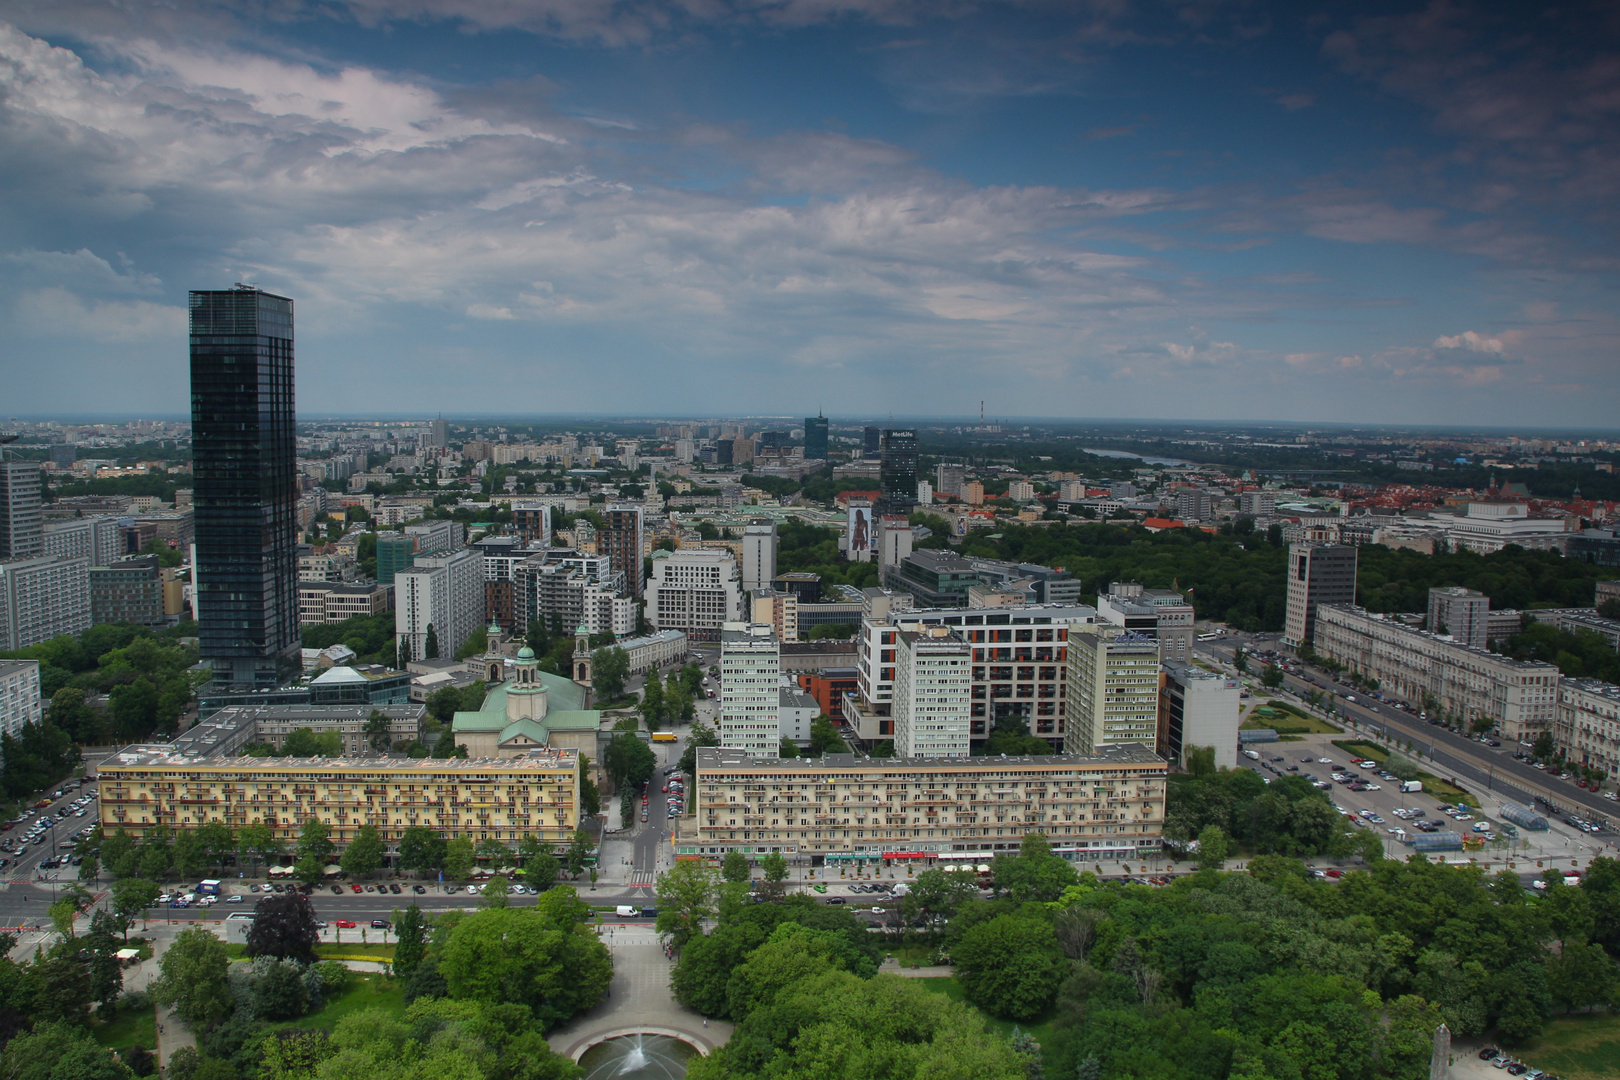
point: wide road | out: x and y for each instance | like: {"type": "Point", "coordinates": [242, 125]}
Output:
{"type": "Point", "coordinates": [1471, 762]}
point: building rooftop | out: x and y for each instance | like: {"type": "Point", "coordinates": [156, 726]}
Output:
{"type": "Point", "coordinates": [147, 755]}
{"type": "Point", "coordinates": [710, 758]}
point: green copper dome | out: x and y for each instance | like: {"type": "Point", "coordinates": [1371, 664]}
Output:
{"type": "Point", "coordinates": [525, 653]}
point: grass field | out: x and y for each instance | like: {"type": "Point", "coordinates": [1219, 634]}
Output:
{"type": "Point", "coordinates": [131, 1026]}
{"type": "Point", "coordinates": [363, 992]}
{"type": "Point", "coordinates": [1581, 1047]}
{"type": "Point", "coordinates": [354, 951]}
{"type": "Point", "coordinates": [1287, 720]}
{"type": "Point", "coordinates": [1041, 1029]}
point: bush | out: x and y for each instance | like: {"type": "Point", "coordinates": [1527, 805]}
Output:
{"type": "Point", "coordinates": [279, 992]}
{"type": "Point", "coordinates": [334, 977]}
{"type": "Point", "coordinates": [141, 1061]}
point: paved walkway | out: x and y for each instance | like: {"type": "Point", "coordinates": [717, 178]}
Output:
{"type": "Point", "coordinates": [638, 1000]}
{"type": "Point", "coordinates": [172, 1031]}
{"type": "Point", "coordinates": [938, 971]}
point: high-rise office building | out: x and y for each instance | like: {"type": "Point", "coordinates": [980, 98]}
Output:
{"type": "Point", "coordinates": [21, 518]}
{"type": "Point", "coordinates": [244, 460]}
{"type": "Point", "coordinates": [1198, 708]}
{"type": "Point", "coordinates": [759, 554]}
{"type": "Point", "coordinates": [871, 442]}
{"type": "Point", "coordinates": [898, 470]}
{"type": "Point", "coordinates": [815, 438]}
{"type": "Point", "coordinates": [439, 432]}
{"type": "Point", "coordinates": [1317, 574]}
{"type": "Point", "coordinates": [622, 543]}
{"type": "Point", "coordinates": [750, 690]}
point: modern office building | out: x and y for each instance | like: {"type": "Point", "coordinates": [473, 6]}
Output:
{"type": "Point", "coordinates": [244, 465]}
{"type": "Point", "coordinates": [438, 432]}
{"type": "Point", "coordinates": [21, 518]}
{"type": "Point", "coordinates": [563, 589]}
{"type": "Point", "coordinates": [128, 590]}
{"type": "Point", "coordinates": [41, 599]}
{"type": "Point", "coordinates": [897, 470]}
{"type": "Point", "coordinates": [1317, 574]}
{"type": "Point", "coordinates": [1198, 708]}
{"type": "Point", "coordinates": [815, 438]}
{"type": "Point", "coordinates": [933, 682]}
{"type": "Point", "coordinates": [444, 591]}
{"type": "Point", "coordinates": [759, 554]}
{"type": "Point", "coordinates": [697, 591]}
{"type": "Point", "coordinates": [750, 684]}
{"type": "Point", "coordinates": [1461, 613]}
{"type": "Point", "coordinates": [20, 696]}
{"type": "Point", "coordinates": [95, 539]}
{"type": "Point", "coordinates": [871, 442]}
{"type": "Point", "coordinates": [935, 578]}
{"type": "Point", "coordinates": [1194, 504]}
{"type": "Point", "coordinates": [622, 542]}
{"type": "Point", "coordinates": [335, 601]}
{"type": "Point", "coordinates": [925, 812]}
{"type": "Point", "coordinates": [1113, 690]}
{"type": "Point", "coordinates": [501, 799]}
{"type": "Point", "coordinates": [1436, 674]}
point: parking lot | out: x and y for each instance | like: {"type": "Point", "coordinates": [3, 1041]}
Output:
{"type": "Point", "coordinates": [40, 838]}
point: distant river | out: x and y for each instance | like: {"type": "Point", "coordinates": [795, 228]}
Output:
{"type": "Point", "coordinates": [1148, 460]}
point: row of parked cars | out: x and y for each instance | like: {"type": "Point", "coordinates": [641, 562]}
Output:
{"type": "Point", "coordinates": [34, 824]}
{"type": "Point", "coordinates": [1500, 1059]}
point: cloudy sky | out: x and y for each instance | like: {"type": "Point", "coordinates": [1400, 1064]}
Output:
{"type": "Point", "coordinates": [1397, 212]}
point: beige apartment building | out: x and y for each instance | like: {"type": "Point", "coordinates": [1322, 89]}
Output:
{"type": "Point", "coordinates": [501, 799]}
{"type": "Point", "coordinates": [1436, 673]}
{"type": "Point", "coordinates": [1587, 725]}
{"type": "Point", "coordinates": [841, 807]}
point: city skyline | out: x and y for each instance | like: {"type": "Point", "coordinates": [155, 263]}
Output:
{"type": "Point", "coordinates": [1396, 217]}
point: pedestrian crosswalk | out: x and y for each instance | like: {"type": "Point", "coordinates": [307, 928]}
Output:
{"type": "Point", "coordinates": [642, 877]}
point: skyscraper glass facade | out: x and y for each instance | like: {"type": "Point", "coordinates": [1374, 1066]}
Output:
{"type": "Point", "coordinates": [815, 438]}
{"type": "Point", "coordinates": [244, 463]}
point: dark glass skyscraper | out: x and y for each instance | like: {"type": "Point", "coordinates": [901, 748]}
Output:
{"type": "Point", "coordinates": [815, 438]}
{"type": "Point", "coordinates": [246, 488]}
{"type": "Point", "coordinates": [871, 442]}
{"type": "Point", "coordinates": [898, 470]}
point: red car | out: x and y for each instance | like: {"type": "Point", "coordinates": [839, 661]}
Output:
{"type": "Point", "coordinates": [356, 888]}
{"type": "Point", "coordinates": [344, 924]}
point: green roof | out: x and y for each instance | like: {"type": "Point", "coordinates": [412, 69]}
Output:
{"type": "Point", "coordinates": [565, 711]}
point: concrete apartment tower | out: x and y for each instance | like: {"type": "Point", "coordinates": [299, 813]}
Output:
{"type": "Point", "coordinates": [621, 542]}
{"type": "Point", "coordinates": [933, 679]}
{"type": "Point", "coordinates": [1113, 690]}
{"type": "Point", "coordinates": [244, 460]}
{"type": "Point", "coordinates": [21, 516]}
{"type": "Point", "coordinates": [1462, 613]}
{"type": "Point", "coordinates": [750, 689]}
{"type": "Point", "coordinates": [759, 554]}
{"type": "Point", "coordinates": [1317, 574]}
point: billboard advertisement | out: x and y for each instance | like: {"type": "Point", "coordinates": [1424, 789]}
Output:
{"type": "Point", "coordinates": [858, 536]}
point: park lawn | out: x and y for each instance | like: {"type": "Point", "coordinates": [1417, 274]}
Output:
{"type": "Point", "coordinates": [1432, 784]}
{"type": "Point", "coordinates": [1585, 1046]}
{"type": "Point", "coordinates": [1287, 720]}
{"type": "Point", "coordinates": [914, 955]}
{"type": "Point", "coordinates": [1041, 1030]}
{"type": "Point", "coordinates": [362, 992]}
{"type": "Point", "coordinates": [354, 951]}
{"type": "Point", "coordinates": [131, 1026]}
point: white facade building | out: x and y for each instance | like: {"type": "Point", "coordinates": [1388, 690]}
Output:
{"type": "Point", "coordinates": [655, 650]}
{"type": "Point", "coordinates": [933, 681]}
{"type": "Point", "coordinates": [759, 555]}
{"type": "Point", "coordinates": [20, 701]}
{"type": "Point", "coordinates": [1587, 724]}
{"type": "Point", "coordinates": [1489, 526]}
{"type": "Point", "coordinates": [1020, 491]}
{"type": "Point", "coordinates": [695, 591]}
{"type": "Point", "coordinates": [750, 690]}
{"type": "Point", "coordinates": [1113, 690]}
{"type": "Point", "coordinates": [41, 599]}
{"type": "Point", "coordinates": [1199, 708]}
{"type": "Point", "coordinates": [94, 539]}
{"type": "Point", "coordinates": [1435, 673]}
{"type": "Point", "coordinates": [445, 591]}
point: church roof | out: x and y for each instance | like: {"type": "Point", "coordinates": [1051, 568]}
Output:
{"type": "Point", "coordinates": [565, 701]}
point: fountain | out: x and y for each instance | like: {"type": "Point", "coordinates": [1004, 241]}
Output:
{"type": "Point", "coordinates": [637, 1057]}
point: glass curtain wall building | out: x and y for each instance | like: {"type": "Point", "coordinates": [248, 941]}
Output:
{"type": "Point", "coordinates": [246, 486]}
{"type": "Point", "coordinates": [815, 438]}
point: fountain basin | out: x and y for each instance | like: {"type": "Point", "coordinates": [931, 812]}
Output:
{"type": "Point", "coordinates": [639, 1055]}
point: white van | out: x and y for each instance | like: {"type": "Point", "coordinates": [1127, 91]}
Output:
{"type": "Point", "coordinates": [625, 911]}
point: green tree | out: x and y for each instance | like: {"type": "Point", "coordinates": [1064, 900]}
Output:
{"type": "Point", "coordinates": [824, 738]}
{"type": "Point", "coordinates": [258, 844]}
{"type": "Point", "coordinates": [1240, 660]}
{"type": "Point", "coordinates": [787, 749]}
{"type": "Point", "coordinates": [421, 849]}
{"type": "Point", "coordinates": [1034, 873]}
{"type": "Point", "coordinates": [590, 800]}
{"type": "Point", "coordinates": [309, 868]}
{"type": "Point", "coordinates": [60, 1051]}
{"type": "Point", "coordinates": [1580, 976]}
{"type": "Point", "coordinates": [734, 867]}
{"type": "Point", "coordinates": [651, 707]}
{"type": "Point", "coordinates": [686, 897]}
{"type": "Point", "coordinates": [939, 894]}
{"type": "Point", "coordinates": [193, 978]}
{"type": "Point", "coordinates": [628, 760]}
{"type": "Point", "coordinates": [305, 743]}
{"type": "Point", "coordinates": [494, 893]}
{"type": "Point", "coordinates": [119, 853]}
{"type": "Point", "coordinates": [430, 647]}
{"type": "Point", "coordinates": [379, 731]}
{"type": "Point", "coordinates": [579, 850]}
{"type": "Point", "coordinates": [364, 854]}
{"type": "Point", "coordinates": [1212, 848]}
{"type": "Point", "coordinates": [610, 668]}
{"type": "Point", "coordinates": [315, 838]}
{"type": "Point", "coordinates": [547, 957]}
{"type": "Point", "coordinates": [1271, 676]}
{"type": "Point", "coordinates": [460, 856]}
{"type": "Point", "coordinates": [776, 872]}
{"type": "Point", "coordinates": [279, 993]}
{"type": "Point", "coordinates": [1198, 760]}
{"type": "Point", "coordinates": [410, 932]}
{"type": "Point", "coordinates": [284, 926]}
{"type": "Point", "coordinates": [130, 898]}
{"type": "Point", "coordinates": [701, 735]}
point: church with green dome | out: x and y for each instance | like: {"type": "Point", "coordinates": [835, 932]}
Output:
{"type": "Point", "coordinates": [531, 709]}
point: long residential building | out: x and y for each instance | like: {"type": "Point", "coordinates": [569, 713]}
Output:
{"type": "Point", "coordinates": [1587, 725]}
{"type": "Point", "coordinates": [1113, 690]}
{"type": "Point", "coordinates": [501, 799]}
{"type": "Point", "coordinates": [1461, 682]}
{"type": "Point", "coordinates": [41, 599]}
{"type": "Point", "coordinates": [929, 810]}
{"type": "Point", "coordinates": [1018, 663]}
{"type": "Point", "coordinates": [565, 589]}
{"type": "Point", "coordinates": [20, 699]}
{"type": "Point", "coordinates": [96, 539]}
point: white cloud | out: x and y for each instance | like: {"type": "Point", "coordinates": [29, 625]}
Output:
{"type": "Point", "coordinates": [57, 313]}
{"type": "Point", "coordinates": [1471, 341]}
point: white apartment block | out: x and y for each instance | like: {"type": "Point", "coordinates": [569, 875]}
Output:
{"type": "Point", "coordinates": [1113, 690]}
{"type": "Point", "coordinates": [41, 599]}
{"type": "Point", "coordinates": [437, 535]}
{"type": "Point", "coordinates": [331, 602]}
{"type": "Point", "coordinates": [694, 590]}
{"type": "Point", "coordinates": [927, 812]}
{"type": "Point", "coordinates": [1586, 726]}
{"type": "Point", "coordinates": [1020, 491]}
{"type": "Point", "coordinates": [1018, 663]}
{"type": "Point", "coordinates": [1199, 708]}
{"type": "Point", "coordinates": [94, 539]}
{"type": "Point", "coordinates": [750, 695]}
{"type": "Point", "coordinates": [932, 686]}
{"type": "Point", "coordinates": [652, 651]}
{"type": "Point", "coordinates": [20, 701]}
{"type": "Point", "coordinates": [445, 591]}
{"type": "Point", "coordinates": [1435, 673]}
